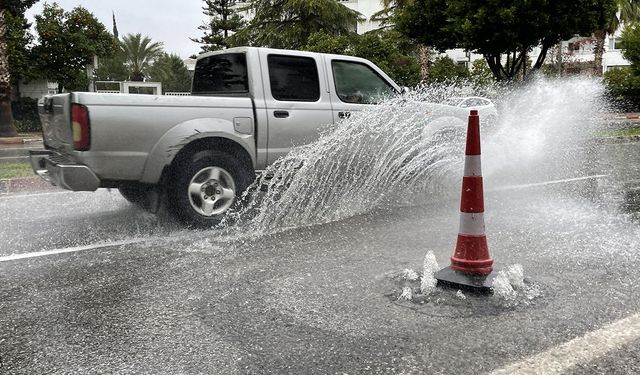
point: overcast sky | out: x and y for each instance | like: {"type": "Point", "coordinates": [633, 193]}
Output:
{"type": "Point", "coordinates": [169, 21]}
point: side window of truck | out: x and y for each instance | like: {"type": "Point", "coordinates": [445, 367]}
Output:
{"type": "Point", "coordinates": [224, 74]}
{"type": "Point", "coordinates": [293, 78]}
{"type": "Point", "coordinates": [358, 83]}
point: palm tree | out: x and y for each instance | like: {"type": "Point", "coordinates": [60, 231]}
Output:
{"type": "Point", "coordinates": [628, 13]}
{"type": "Point", "coordinates": [139, 53]}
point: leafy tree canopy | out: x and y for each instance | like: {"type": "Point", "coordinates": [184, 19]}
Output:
{"type": "Point", "coordinates": [172, 72]}
{"type": "Point", "coordinates": [17, 7]}
{"type": "Point", "coordinates": [444, 69]}
{"type": "Point", "coordinates": [495, 28]}
{"type": "Point", "coordinates": [18, 39]}
{"type": "Point", "coordinates": [14, 38]}
{"type": "Point", "coordinates": [289, 23]}
{"type": "Point", "coordinates": [68, 41]}
{"type": "Point", "coordinates": [224, 20]}
{"type": "Point", "coordinates": [631, 46]}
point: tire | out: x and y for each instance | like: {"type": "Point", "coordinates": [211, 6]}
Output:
{"type": "Point", "coordinates": [205, 185]}
{"type": "Point", "coordinates": [136, 194]}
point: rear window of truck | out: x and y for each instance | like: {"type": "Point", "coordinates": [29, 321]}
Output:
{"type": "Point", "coordinates": [224, 74]}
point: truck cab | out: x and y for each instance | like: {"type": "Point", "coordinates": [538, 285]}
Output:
{"type": "Point", "coordinates": [248, 107]}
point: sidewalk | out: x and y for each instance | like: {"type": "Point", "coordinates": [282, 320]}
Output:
{"type": "Point", "coordinates": [16, 150]}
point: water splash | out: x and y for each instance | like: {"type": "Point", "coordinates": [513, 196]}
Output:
{"type": "Point", "coordinates": [387, 155]}
{"type": "Point", "coordinates": [430, 266]}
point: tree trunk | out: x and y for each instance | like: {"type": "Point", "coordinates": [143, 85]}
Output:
{"type": "Point", "coordinates": [598, 51]}
{"type": "Point", "coordinates": [7, 127]}
{"type": "Point", "coordinates": [424, 62]}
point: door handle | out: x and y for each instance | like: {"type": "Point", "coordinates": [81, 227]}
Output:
{"type": "Point", "coordinates": [344, 115]}
{"type": "Point", "coordinates": [281, 114]}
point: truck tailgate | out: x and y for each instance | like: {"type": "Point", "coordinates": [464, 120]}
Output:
{"type": "Point", "coordinates": [55, 115]}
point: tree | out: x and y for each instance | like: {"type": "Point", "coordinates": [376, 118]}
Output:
{"type": "Point", "coordinates": [481, 75]}
{"type": "Point", "coordinates": [623, 84]}
{"type": "Point", "coordinates": [224, 20]}
{"type": "Point", "coordinates": [113, 68]}
{"type": "Point", "coordinates": [139, 53]}
{"type": "Point", "coordinates": [172, 72]}
{"type": "Point", "coordinates": [393, 53]}
{"type": "Point", "coordinates": [628, 14]}
{"type": "Point", "coordinates": [68, 42]}
{"type": "Point", "coordinates": [289, 23]}
{"type": "Point", "coordinates": [387, 15]}
{"type": "Point", "coordinates": [631, 46]}
{"type": "Point", "coordinates": [498, 29]}
{"type": "Point", "coordinates": [13, 55]}
{"type": "Point", "coordinates": [444, 69]}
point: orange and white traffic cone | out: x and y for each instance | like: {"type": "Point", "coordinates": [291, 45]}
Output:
{"type": "Point", "coordinates": [471, 266]}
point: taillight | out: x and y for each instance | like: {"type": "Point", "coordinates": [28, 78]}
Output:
{"type": "Point", "coordinates": [80, 127]}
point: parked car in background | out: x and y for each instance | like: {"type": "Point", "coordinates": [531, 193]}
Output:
{"type": "Point", "coordinates": [460, 107]}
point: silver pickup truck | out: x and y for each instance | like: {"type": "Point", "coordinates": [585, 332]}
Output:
{"type": "Point", "coordinates": [197, 154]}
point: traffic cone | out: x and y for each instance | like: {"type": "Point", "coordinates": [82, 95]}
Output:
{"type": "Point", "coordinates": [471, 266]}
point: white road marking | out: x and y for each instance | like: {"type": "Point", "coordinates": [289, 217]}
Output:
{"type": "Point", "coordinates": [583, 349]}
{"type": "Point", "coordinates": [545, 183]}
{"type": "Point", "coordinates": [15, 196]}
{"type": "Point", "coordinates": [69, 250]}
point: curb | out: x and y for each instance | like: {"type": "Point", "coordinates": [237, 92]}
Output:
{"type": "Point", "coordinates": [11, 141]}
{"type": "Point", "coordinates": [618, 139]}
{"type": "Point", "coordinates": [24, 184]}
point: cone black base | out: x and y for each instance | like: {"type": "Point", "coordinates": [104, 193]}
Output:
{"type": "Point", "coordinates": [480, 284]}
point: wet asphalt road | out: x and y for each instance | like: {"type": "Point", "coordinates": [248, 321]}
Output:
{"type": "Point", "coordinates": [321, 299]}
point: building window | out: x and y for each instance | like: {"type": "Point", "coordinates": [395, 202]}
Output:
{"type": "Point", "coordinates": [615, 43]}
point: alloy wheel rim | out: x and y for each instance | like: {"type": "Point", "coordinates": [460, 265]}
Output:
{"type": "Point", "coordinates": [211, 191]}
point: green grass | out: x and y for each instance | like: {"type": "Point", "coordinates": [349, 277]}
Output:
{"type": "Point", "coordinates": [13, 170]}
{"type": "Point", "coordinates": [627, 132]}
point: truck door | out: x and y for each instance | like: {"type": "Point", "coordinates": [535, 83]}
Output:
{"type": "Point", "coordinates": [354, 85]}
{"type": "Point", "coordinates": [296, 99]}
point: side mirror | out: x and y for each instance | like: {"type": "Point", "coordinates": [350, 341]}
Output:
{"type": "Point", "coordinates": [405, 90]}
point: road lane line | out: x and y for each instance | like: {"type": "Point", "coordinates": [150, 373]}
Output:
{"type": "Point", "coordinates": [545, 183]}
{"type": "Point", "coordinates": [583, 349]}
{"type": "Point", "coordinates": [9, 258]}
{"type": "Point", "coordinates": [15, 196]}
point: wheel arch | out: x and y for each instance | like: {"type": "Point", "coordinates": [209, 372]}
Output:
{"type": "Point", "coordinates": [192, 136]}
{"type": "Point", "coordinates": [209, 143]}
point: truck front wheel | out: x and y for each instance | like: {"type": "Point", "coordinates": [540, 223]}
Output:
{"type": "Point", "coordinates": [206, 185]}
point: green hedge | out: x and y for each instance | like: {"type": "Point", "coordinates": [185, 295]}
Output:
{"type": "Point", "coordinates": [25, 114]}
{"type": "Point", "coordinates": [623, 89]}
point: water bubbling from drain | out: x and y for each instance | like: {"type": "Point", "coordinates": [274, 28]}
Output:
{"type": "Point", "coordinates": [386, 155]}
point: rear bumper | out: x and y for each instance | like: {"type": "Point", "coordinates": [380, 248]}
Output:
{"type": "Point", "coordinates": [59, 171]}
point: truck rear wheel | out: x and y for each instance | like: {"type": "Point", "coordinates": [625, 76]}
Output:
{"type": "Point", "coordinates": [206, 185]}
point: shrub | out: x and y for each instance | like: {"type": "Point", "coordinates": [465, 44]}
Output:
{"type": "Point", "coordinates": [25, 114]}
{"type": "Point", "coordinates": [623, 88]}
